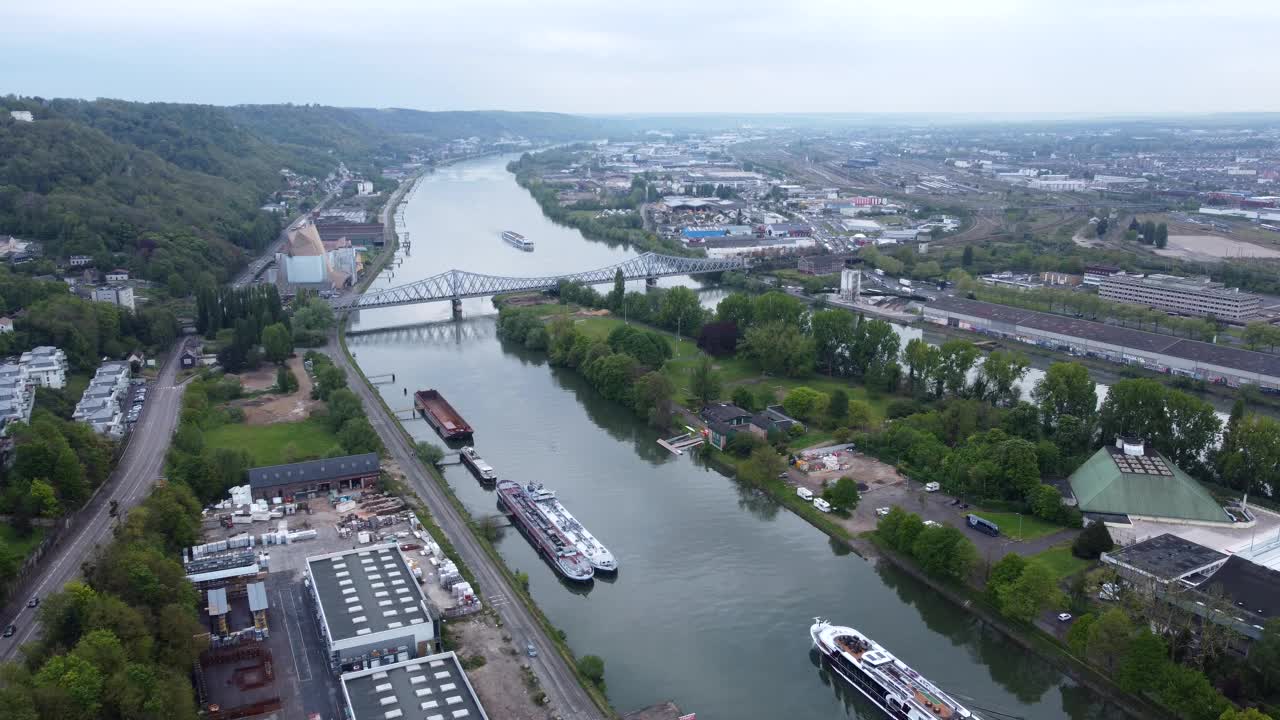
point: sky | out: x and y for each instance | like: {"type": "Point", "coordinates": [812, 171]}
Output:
{"type": "Point", "coordinates": [695, 56]}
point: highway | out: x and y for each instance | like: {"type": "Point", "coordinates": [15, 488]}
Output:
{"type": "Point", "coordinates": [131, 481]}
{"type": "Point", "coordinates": [568, 699]}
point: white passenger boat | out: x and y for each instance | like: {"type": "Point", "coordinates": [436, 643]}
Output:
{"type": "Point", "coordinates": [514, 238]}
{"type": "Point", "coordinates": [601, 559]}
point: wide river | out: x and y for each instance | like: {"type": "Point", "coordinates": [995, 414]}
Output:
{"type": "Point", "coordinates": [718, 586]}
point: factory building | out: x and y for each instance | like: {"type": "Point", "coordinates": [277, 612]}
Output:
{"type": "Point", "coordinates": [1160, 353]}
{"type": "Point", "coordinates": [314, 477]}
{"type": "Point", "coordinates": [371, 609]}
{"type": "Point", "coordinates": [429, 688]}
{"type": "Point", "coordinates": [1184, 296]}
{"type": "Point", "coordinates": [822, 264]}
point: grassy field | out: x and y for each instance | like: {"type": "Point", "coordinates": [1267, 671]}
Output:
{"type": "Point", "coordinates": [20, 546]}
{"type": "Point", "coordinates": [1032, 527]}
{"type": "Point", "coordinates": [1061, 561]}
{"type": "Point", "coordinates": [267, 443]}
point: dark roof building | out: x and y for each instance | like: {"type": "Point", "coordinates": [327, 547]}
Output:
{"type": "Point", "coordinates": [314, 477]}
{"type": "Point", "coordinates": [429, 688]}
{"type": "Point", "coordinates": [1252, 588]}
{"type": "Point", "coordinates": [772, 419]}
{"type": "Point", "coordinates": [727, 413]}
{"type": "Point", "coordinates": [1166, 559]}
{"type": "Point", "coordinates": [370, 606]}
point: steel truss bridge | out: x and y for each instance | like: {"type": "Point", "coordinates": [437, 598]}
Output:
{"type": "Point", "coordinates": [458, 284]}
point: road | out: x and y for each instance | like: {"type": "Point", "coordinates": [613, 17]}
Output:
{"type": "Point", "coordinates": [567, 697]}
{"type": "Point", "coordinates": [138, 468]}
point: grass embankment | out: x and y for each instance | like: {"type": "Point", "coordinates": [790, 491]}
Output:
{"type": "Point", "coordinates": [18, 545]}
{"type": "Point", "coordinates": [267, 443]}
{"type": "Point", "coordinates": [1060, 560]}
{"type": "Point", "coordinates": [1019, 527]}
{"type": "Point", "coordinates": [556, 635]}
{"type": "Point", "coordinates": [782, 492]}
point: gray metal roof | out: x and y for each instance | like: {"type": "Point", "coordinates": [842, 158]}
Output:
{"type": "Point", "coordinates": [367, 591]}
{"type": "Point", "coordinates": [434, 687]}
{"type": "Point", "coordinates": [218, 601]}
{"type": "Point", "coordinates": [1167, 557]}
{"type": "Point", "coordinates": [314, 470]}
{"type": "Point", "coordinates": [257, 596]}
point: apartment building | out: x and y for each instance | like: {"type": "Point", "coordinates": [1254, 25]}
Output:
{"type": "Point", "coordinates": [100, 406]}
{"type": "Point", "coordinates": [1185, 296]}
{"type": "Point", "coordinates": [46, 366]}
{"type": "Point", "coordinates": [16, 396]}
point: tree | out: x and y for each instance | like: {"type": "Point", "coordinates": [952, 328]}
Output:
{"type": "Point", "coordinates": [1162, 235]}
{"type": "Point", "coordinates": [966, 258]}
{"type": "Point", "coordinates": [592, 668]}
{"type": "Point", "coordinates": [1145, 659]}
{"type": "Point", "coordinates": [1094, 541]}
{"type": "Point", "coordinates": [1033, 590]}
{"type": "Point", "coordinates": [1109, 638]}
{"type": "Point", "coordinates": [805, 403]}
{"type": "Point", "coordinates": [357, 436]}
{"type": "Point", "coordinates": [1078, 635]}
{"type": "Point", "coordinates": [681, 311]}
{"type": "Point", "coordinates": [1065, 389]}
{"type": "Point", "coordinates": [429, 453]}
{"type": "Point", "coordinates": [956, 358]}
{"type": "Point", "coordinates": [1004, 573]}
{"type": "Point", "coordinates": [838, 406]}
{"type": "Point", "coordinates": [762, 466]}
{"type": "Point", "coordinates": [944, 552]}
{"type": "Point", "coordinates": [843, 494]}
{"type": "Point", "coordinates": [43, 499]}
{"type": "Point", "coordinates": [653, 396]}
{"type": "Point", "coordinates": [328, 379]}
{"type": "Point", "coordinates": [743, 398]}
{"type": "Point", "coordinates": [343, 405]}
{"type": "Point", "coordinates": [778, 307]}
{"type": "Point", "coordinates": [286, 381]}
{"type": "Point", "coordinates": [1264, 656]}
{"type": "Point", "coordinates": [277, 344]}
{"type": "Point", "coordinates": [1243, 714]}
{"type": "Point", "coordinates": [1046, 501]}
{"type": "Point", "coordinates": [1000, 372]}
{"type": "Point", "coordinates": [922, 362]}
{"type": "Point", "coordinates": [704, 381]}
{"type": "Point", "coordinates": [1250, 456]}
{"type": "Point", "coordinates": [736, 308]}
{"type": "Point", "coordinates": [718, 338]}
{"type": "Point", "coordinates": [833, 334]}
{"type": "Point", "coordinates": [619, 292]}
{"type": "Point", "coordinates": [779, 348]}
{"type": "Point", "coordinates": [69, 687]}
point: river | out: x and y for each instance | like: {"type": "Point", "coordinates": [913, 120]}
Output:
{"type": "Point", "coordinates": [717, 585]}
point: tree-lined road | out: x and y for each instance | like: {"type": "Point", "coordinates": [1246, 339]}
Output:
{"type": "Point", "coordinates": [128, 484]}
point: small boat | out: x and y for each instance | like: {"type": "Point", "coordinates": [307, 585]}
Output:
{"type": "Point", "coordinates": [482, 469]}
{"type": "Point", "coordinates": [514, 238]}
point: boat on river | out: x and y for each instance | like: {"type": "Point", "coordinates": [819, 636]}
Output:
{"type": "Point", "coordinates": [514, 238]}
{"type": "Point", "coordinates": [601, 559]}
{"type": "Point", "coordinates": [482, 469]}
{"type": "Point", "coordinates": [440, 414]}
{"type": "Point", "coordinates": [890, 684]}
{"type": "Point", "coordinates": [546, 538]}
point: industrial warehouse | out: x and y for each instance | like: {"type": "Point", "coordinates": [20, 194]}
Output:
{"type": "Point", "coordinates": [1160, 353]}
{"type": "Point", "coordinates": [430, 688]}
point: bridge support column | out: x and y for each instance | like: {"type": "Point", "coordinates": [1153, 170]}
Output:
{"type": "Point", "coordinates": [457, 308]}
{"type": "Point", "coordinates": [651, 282]}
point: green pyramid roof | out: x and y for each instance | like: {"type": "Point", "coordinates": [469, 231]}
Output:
{"type": "Point", "coordinates": [1100, 485]}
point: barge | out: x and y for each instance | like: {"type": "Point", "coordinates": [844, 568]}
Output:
{"type": "Point", "coordinates": [601, 559]}
{"type": "Point", "coordinates": [440, 415]}
{"type": "Point", "coordinates": [546, 538]}
{"type": "Point", "coordinates": [482, 469]}
{"type": "Point", "coordinates": [890, 684]}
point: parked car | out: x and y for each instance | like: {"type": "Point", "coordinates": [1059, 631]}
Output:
{"type": "Point", "coordinates": [932, 523]}
{"type": "Point", "coordinates": [804, 493]}
{"type": "Point", "coordinates": [932, 487]}
{"type": "Point", "coordinates": [822, 505]}
{"type": "Point", "coordinates": [33, 602]}
{"type": "Point", "coordinates": [530, 650]}
{"type": "Point", "coordinates": [881, 512]}
{"type": "Point", "coordinates": [10, 629]}
{"type": "Point", "coordinates": [1064, 617]}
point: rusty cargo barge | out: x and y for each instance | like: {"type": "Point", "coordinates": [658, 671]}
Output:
{"type": "Point", "coordinates": [440, 415]}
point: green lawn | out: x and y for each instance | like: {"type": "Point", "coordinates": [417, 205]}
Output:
{"type": "Point", "coordinates": [1032, 526]}
{"type": "Point", "coordinates": [267, 443]}
{"type": "Point", "coordinates": [1061, 561]}
{"type": "Point", "coordinates": [19, 545]}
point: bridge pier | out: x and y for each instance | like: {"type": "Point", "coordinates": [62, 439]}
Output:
{"type": "Point", "coordinates": [651, 282]}
{"type": "Point", "coordinates": [457, 308]}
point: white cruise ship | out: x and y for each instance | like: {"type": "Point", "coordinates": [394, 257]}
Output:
{"type": "Point", "coordinates": [515, 238]}
{"type": "Point", "coordinates": [892, 686]}
{"type": "Point", "coordinates": [601, 559]}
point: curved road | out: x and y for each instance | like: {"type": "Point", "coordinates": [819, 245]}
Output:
{"type": "Point", "coordinates": [567, 697]}
{"type": "Point", "coordinates": [138, 468]}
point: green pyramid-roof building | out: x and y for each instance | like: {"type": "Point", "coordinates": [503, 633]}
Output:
{"type": "Point", "coordinates": [1143, 483]}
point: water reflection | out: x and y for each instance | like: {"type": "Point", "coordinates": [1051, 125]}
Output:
{"type": "Point", "coordinates": [756, 501]}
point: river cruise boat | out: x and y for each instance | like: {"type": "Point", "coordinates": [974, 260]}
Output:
{"type": "Point", "coordinates": [514, 238]}
{"type": "Point", "coordinates": [601, 559]}
{"type": "Point", "coordinates": [890, 684]}
{"type": "Point", "coordinates": [546, 538]}
{"type": "Point", "coordinates": [482, 469]}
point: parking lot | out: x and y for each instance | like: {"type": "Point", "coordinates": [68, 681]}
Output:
{"type": "Point", "coordinates": [134, 401]}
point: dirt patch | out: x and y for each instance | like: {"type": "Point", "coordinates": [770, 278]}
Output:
{"type": "Point", "coordinates": [1213, 247]}
{"type": "Point", "coordinates": [273, 408]}
{"type": "Point", "coordinates": [592, 313]}
{"type": "Point", "coordinates": [885, 486]}
{"type": "Point", "coordinates": [504, 682]}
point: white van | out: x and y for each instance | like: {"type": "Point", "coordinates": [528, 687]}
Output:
{"type": "Point", "coordinates": [805, 493]}
{"type": "Point", "coordinates": [932, 487]}
{"type": "Point", "coordinates": [822, 505]}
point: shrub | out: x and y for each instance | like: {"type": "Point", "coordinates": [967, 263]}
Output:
{"type": "Point", "coordinates": [1094, 541]}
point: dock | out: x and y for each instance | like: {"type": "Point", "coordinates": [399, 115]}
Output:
{"type": "Point", "coordinates": [662, 711]}
{"type": "Point", "coordinates": [678, 444]}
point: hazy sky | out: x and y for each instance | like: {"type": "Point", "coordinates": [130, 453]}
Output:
{"type": "Point", "coordinates": [605, 56]}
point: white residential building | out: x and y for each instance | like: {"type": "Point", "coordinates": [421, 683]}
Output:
{"type": "Point", "coordinates": [22, 115]}
{"type": "Point", "coordinates": [16, 396]}
{"type": "Point", "coordinates": [118, 276]}
{"type": "Point", "coordinates": [100, 406]}
{"type": "Point", "coordinates": [6, 325]}
{"type": "Point", "coordinates": [121, 295]}
{"type": "Point", "coordinates": [80, 260]}
{"type": "Point", "coordinates": [364, 187]}
{"type": "Point", "coordinates": [46, 366]}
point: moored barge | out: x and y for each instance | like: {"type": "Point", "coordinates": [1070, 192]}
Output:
{"type": "Point", "coordinates": [482, 469]}
{"type": "Point", "coordinates": [440, 415]}
{"type": "Point", "coordinates": [546, 538]}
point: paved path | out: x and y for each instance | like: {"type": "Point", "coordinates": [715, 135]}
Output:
{"type": "Point", "coordinates": [131, 481]}
{"type": "Point", "coordinates": [567, 697]}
